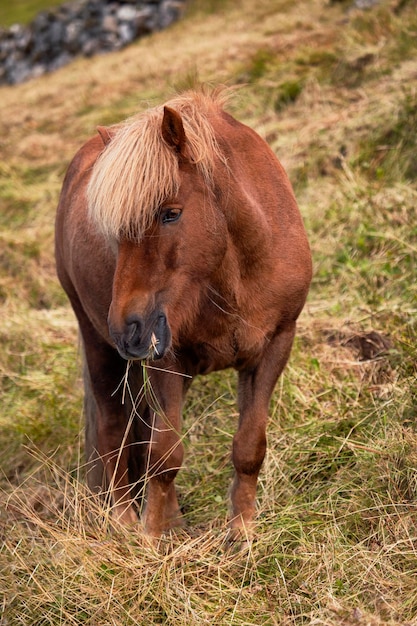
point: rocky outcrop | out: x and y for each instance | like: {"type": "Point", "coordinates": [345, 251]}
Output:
{"type": "Point", "coordinates": [84, 27]}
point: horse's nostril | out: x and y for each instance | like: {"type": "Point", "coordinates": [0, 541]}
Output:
{"type": "Point", "coordinates": [131, 331]}
{"type": "Point", "coordinates": [133, 328]}
{"type": "Point", "coordinates": [161, 321]}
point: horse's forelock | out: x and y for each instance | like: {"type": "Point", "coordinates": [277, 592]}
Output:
{"type": "Point", "coordinates": [137, 171]}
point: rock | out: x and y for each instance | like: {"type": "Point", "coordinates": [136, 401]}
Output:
{"type": "Point", "coordinates": [126, 13]}
{"type": "Point", "coordinates": [83, 27]}
{"type": "Point", "coordinates": [169, 12]}
{"type": "Point", "coordinates": [363, 5]}
{"type": "Point", "coordinates": [109, 23]}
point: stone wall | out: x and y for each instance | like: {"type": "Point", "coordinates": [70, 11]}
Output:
{"type": "Point", "coordinates": [83, 27]}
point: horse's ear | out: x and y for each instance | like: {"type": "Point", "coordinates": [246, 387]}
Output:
{"type": "Point", "coordinates": [173, 131]}
{"type": "Point", "coordinates": [105, 133]}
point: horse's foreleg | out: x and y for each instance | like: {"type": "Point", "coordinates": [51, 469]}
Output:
{"type": "Point", "coordinates": [166, 452]}
{"type": "Point", "coordinates": [113, 443]}
{"type": "Point", "coordinates": [108, 430]}
{"type": "Point", "coordinates": [249, 443]}
{"type": "Point", "coordinates": [162, 511]}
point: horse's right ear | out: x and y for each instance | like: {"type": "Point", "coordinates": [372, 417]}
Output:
{"type": "Point", "coordinates": [173, 131]}
{"type": "Point", "coordinates": [105, 134]}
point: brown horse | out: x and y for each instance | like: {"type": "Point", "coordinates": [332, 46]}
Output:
{"type": "Point", "coordinates": [178, 240]}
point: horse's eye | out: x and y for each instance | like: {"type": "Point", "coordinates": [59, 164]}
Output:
{"type": "Point", "coordinates": [170, 215]}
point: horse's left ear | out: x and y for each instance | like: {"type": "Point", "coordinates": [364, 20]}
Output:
{"type": "Point", "coordinates": [173, 131]}
{"type": "Point", "coordinates": [105, 133]}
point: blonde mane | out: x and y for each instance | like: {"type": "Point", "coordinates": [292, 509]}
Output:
{"type": "Point", "coordinates": [137, 171]}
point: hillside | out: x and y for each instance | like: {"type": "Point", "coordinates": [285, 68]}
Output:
{"type": "Point", "coordinates": [333, 91]}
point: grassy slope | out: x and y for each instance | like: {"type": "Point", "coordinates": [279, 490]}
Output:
{"type": "Point", "coordinates": [333, 93]}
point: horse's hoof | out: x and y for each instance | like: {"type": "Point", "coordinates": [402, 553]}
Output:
{"type": "Point", "coordinates": [125, 516]}
{"type": "Point", "coordinates": [239, 540]}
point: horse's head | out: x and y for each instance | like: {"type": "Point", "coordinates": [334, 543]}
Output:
{"type": "Point", "coordinates": [161, 274]}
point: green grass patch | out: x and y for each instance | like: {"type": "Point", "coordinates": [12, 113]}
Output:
{"type": "Point", "coordinates": [24, 11]}
{"type": "Point", "coordinates": [390, 152]}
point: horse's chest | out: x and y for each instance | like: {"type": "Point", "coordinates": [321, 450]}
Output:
{"type": "Point", "coordinates": [238, 348]}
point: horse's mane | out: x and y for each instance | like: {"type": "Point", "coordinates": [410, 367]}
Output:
{"type": "Point", "coordinates": [137, 171]}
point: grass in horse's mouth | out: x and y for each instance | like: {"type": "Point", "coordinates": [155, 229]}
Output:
{"type": "Point", "coordinates": [153, 346]}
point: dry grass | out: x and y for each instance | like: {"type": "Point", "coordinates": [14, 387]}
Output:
{"type": "Point", "coordinates": [333, 93]}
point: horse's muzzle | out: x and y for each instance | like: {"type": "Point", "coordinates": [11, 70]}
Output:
{"type": "Point", "coordinates": [143, 339]}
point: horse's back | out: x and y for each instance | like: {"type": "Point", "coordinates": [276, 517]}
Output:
{"type": "Point", "coordinates": [84, 261]}
{"type": "Point", "coordinates": [72, 201]}
{"type": "Point", "coordinates": [272, 233]}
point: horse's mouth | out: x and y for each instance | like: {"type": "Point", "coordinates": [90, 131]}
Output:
{"type": "Point", "coordinates": [146, 354]}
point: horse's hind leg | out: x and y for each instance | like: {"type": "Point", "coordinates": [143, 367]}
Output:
{"type": "Point", "coordinates": [249, 443]}
{"type": "Point", "coordinates": [95, 473]}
